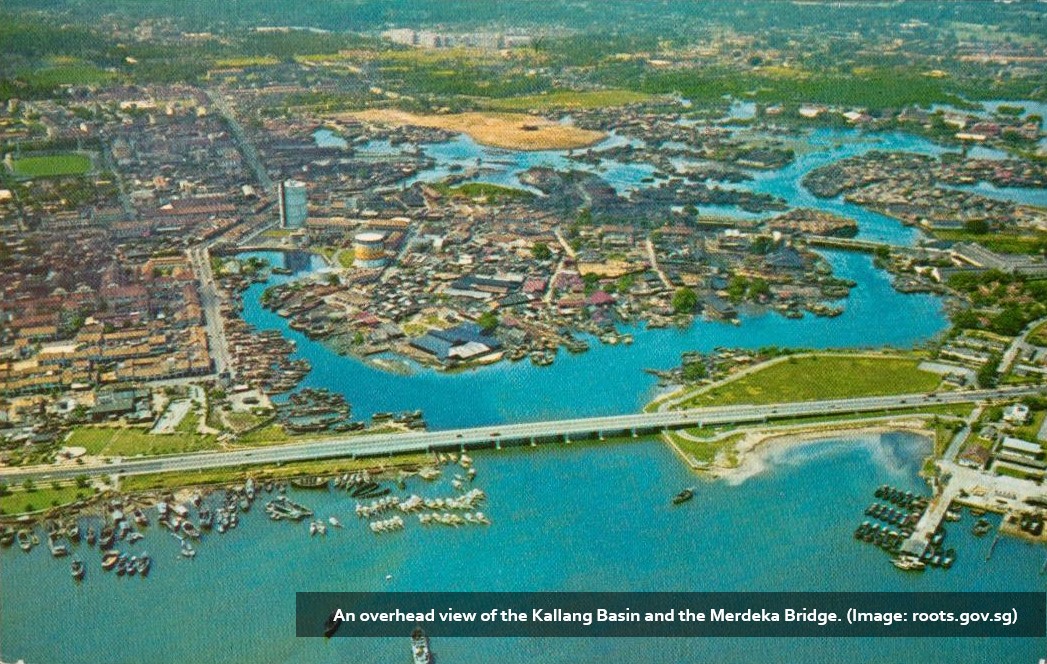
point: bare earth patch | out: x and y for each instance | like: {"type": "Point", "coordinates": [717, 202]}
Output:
{"type": "Point", "coordinates": [511, 131]}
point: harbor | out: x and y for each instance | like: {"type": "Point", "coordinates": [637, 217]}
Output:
{"type": "Point", "coordinates": [610, 514]}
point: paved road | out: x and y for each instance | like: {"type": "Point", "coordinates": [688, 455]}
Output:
{"type": "Point", "coordinates": [1019, 345]}
{"type": "Point", "coordinates": [420, 441]}
{"type": "Point", "coordinates": [246, 148]}
{"type": "Point", "coordinates": [210, 302]}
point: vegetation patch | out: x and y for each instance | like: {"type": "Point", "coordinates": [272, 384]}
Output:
{"type": "Point", "coordinates": [49, 166]}
{"type": "Point", "coordinates": [818, 377]}
{"type": "Point", "coordinates": [116, 441]}
{"type": "Point", "coordinates": [570, 99]}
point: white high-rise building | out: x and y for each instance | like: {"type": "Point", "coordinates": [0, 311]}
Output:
{"type": "Point", "coordinates": [294, 205]}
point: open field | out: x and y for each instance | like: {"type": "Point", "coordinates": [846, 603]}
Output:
{"type": "Point", "coordinates": [1039, 335]}
{"type": "Point", "coordinates": [56, 165]}
{"type": "Point", "coordinates": [568, 99]}
{"type": "Point", "coordinates": [43, 497]}
{"type": "Point", "coordinates": [818, 377]}
{"type": "Point", "coordinates": [512, 131]}
{"type": "Point", "coordinates": [1007, 242]}
{"type": "Point", "coordinates": [113, 441]}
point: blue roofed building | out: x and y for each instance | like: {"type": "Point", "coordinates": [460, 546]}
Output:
{"type": "Point", "coordinates": [461, 343]}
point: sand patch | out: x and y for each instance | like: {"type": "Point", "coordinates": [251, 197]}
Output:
{"type": "Point", "coordinates": [512, 131]}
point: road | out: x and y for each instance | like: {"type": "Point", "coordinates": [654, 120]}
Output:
{"type": "Point", "coordinates": [652, 257]}
{"type": "Point", "coordinates": [210, 302]}
{"type": "Point", "coordinates": [1019, 345]}
{"type": "Point", "coordinates": [246, 148]}
{"type": "Point", "coordinates": [487, 436]}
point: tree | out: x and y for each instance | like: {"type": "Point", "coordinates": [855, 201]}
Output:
{"type": "Point", "coordinates": [488, 321]}
{"type": "Point", "coordinates": [987, 373]}
{"type": "Point", "coordinates": [758, 287]}
{"type": "Point", "coordinates": [684, 300]}
{"type": "Point", "coordinates": [28, 485]}
{"type": "Point", "coordinates": [976, 226]}
{"type": "Point", "coordinates": [541, 251]}
{"type": "Point", "coordinates": [82, 482]}
{"type": "Point", "coordinates": [736, 288]}
{"type": "Point", "coordinates": [694, 371]}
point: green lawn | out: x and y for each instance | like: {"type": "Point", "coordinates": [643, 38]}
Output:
{"type": "Point", "coordinates": [1039, 335]}
{"type": "Point", "coordinates": [345, 258]}
{"type": "Point", "coordinates": [51, 165]}
{"type": "Point", "coordinates": [114, 441]}
{"type": "Point", "coordinates": [569, 99]}
{"type": "Point", "coordinates": [1002, 241]}
{"type": "Point", "coordinates": [190, 423]}
{"type": "Point", "coordinates": [19, 501]}
{"type": "Point", "coordinates": [706, 451]}
{"type": "Point", "coordinates": [822, 377]}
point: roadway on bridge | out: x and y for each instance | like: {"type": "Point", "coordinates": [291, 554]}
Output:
{"type": "Point", "coordinates": [370, 445]}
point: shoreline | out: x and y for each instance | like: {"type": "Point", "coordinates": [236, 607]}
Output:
{"type": "Point", "coordinates": [757, 447]}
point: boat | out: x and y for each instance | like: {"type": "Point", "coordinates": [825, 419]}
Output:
{"type": "Point", "coordinates": [981, 528]}
{"type": "Point", "coordinates": [132, 566]}
{"type": "Point", "coordinates": [77, 569]}
{"type": "Point", "coordinates": [187, 550]}
{"type": "Point", "coordinates": [908, 563]}
{"type": "Point", "coordinates": [309, 482]}
{"type": "Point", "coordinates": [143, 564]}
{"type": "Point", "coordinates": [420, 650]}
{"type": "Point", "coordinates": [109, 560]}
{"type": "Point", "coordinates": [190, 530]}
{"type": "Point", "coordinates": [7, 536]}
{"type": "Point", "coordinates": [334, 522]}
{"type": "Point", "coordinates": [25, 541]}
{"type": "Point", "coordinates": [57, 548]}
{"type": "Point", "coordinates": [140, 517]}
{"type": "Point", "coordinates": [331, 625]}
{"type": "Point", "coordinates": [683, 496]}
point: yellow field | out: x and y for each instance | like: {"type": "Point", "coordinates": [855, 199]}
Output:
{"type": "Point", "coordinates": [512, 131]}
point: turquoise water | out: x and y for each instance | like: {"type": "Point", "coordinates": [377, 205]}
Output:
{"type": "Point", "coordinates": [564, 518]}
{"type": "Point", "coordinates": [577, 385]}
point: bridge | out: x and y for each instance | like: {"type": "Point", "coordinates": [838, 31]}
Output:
{"type": "Point", "coordinates": [870, 246]}
{"type": "Point", "coordinates": [497, 436]}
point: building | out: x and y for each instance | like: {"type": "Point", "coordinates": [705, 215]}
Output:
{"type": "Point", "coordinates": [369, 250]}
{"type": "Point", "coordinates": [294, 206]}
{"type": "Point", "coordinates": [1016, 413]}
{"type": "Point", "coordinates": [463, 342]}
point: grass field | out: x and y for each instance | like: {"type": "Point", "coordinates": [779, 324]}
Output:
{"type": "Point", "coordinates": [113, 441]}
{"type": "Point", "coordinates": [822, 377]}
{"type": "Point", "coordinates": [568, 99]}
{"type": "Point", "coordinates": [57, 165]}
{"type": "Point", "coordinates": [1039, 335]}
{"type": "Point", "coordinates": [1004, 242]}
{"type": "Point", "coordinates": [19, 501]}
{"type": "Point", "coordinates": [484, 190]}
{"type": "Point", "coordinates": [248, 61]}
{"type": "Point", "coordinates": [511, 131]}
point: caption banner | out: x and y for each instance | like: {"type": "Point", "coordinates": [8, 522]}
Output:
{"type": "Point", "coordinates": [1022, 614]}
